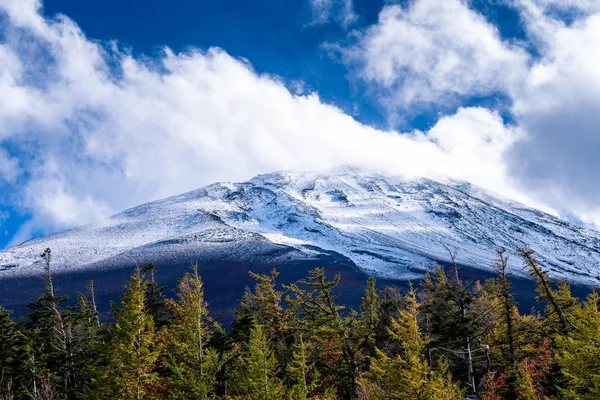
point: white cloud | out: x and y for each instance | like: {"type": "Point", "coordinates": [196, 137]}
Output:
{"type": "Point", "coordinates": [104, 131]}
{"type": "Point", "coordinates": [586, 6]}
{"type": "Point", "coordinates": [338, 11]}
{"type": "Point", "coordinates": [431, 51]}
{"type": "Point", "coordinates": [8, 167]}
{"type": "Point", "coordinates": [558, 108]}
{"type": "Point", "coordinates": [100, 130]}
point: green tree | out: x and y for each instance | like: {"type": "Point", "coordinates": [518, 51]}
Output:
{"type": "Point", "coordinates": [560, 302]}
{"type": "Point", "coordinates": [441, 386]}
{"type": "Point", "coordinates": [407, 375]}
{"type": "Point", "coordinates": [525, 388]}
{"type": "Point", "coordinates": [9, 362]}
{"type": "Point", "coordinates": [155, 298]}
{"type": "Point", "coordinates": [256, 372]}
{"type": "Point", "coordinates": [509, 314]}
{"type": "Point", "coordinates": [578, 354]}
{"type": "Point", "coordinates": [306, 381]}
{"type": "Point", "coordinates": [264, 306]}
{"type": "Point", "coordinates": [452, 323]}
{"type": "Point", "coordinates": [128, 371]}
{"type": "Point", "coordinates": [50, 327]}
{"type": "Point", "coordinates": [370, 317]}
{"type": "Point", "coordinates": [192, 364]}
{"type": "Point", "coordinates": [85, 344]}
{"type": "Point", "coordinates": [341, 344]}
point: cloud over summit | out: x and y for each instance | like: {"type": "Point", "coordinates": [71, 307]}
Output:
{"type": "Point", "coordinates": [92, 129]}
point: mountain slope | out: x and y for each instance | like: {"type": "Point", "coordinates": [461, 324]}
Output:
{"type": "Point", "coordinates": [385, 225]}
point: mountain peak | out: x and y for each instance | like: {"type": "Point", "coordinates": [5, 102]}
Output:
{"type": "Point", "coordinates": [388, 226]}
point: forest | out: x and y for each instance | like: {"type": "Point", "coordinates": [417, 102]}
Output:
{"type": "Point", "coordinates": [443, 338]}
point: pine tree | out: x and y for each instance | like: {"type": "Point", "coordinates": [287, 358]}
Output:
{"type": "Point", "coordinates": [50, 327]}
{"type": "Point", "coordinates": [509, 337]}
{"type": "Point", "coordinates": [391, 300]}
{"type": "Point", "coordinates": [407, 375]}
{"type": "Point", "coordinates": [578, 354]}
{"type": "Point", "coordinates": [441, 386]}
{"type": "Point", "coordinates": [32, 371]}
{"type": "Point", "coordinates": [452, 323]}
{"type": "Point", "coordinates": [132, 351]}
{"type": "Point", "coordinates": [192, 364]}
{"type": "Point", "coordinates": [222, 343]}
{"type": "Point", "coordinates": [525, 389]}
{"type": "Point", "coordinates": [369, 319]}
{"type": "Point", "coordinates": [404, 375]}
{"type": "Point", "coordinates": [264, 306]}
{"type": "Point", "coordinates": [315, 348]}
{"type": "Point", "coordinates": [300, 368]}
{"type": "Point", "coordinates": [256, 372]}
{"type": "Point", "coordinates": [155, 298]}
{"type": "Point", "coordinates": [534, 375]}
{"type": "Point", "coordinates": [560, 303]}
{"type": "Point", "coordinates": [341, 348]}
{"type": "Point", "coordinates": [85, 344]}
{"type": "Point", "coordinates": [508, 311]}
{"type": "Point", "coordinates": [306, 380]}
{"type": "Point", "coordinates": [8, 357]}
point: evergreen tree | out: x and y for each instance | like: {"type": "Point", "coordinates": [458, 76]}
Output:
{"type": "Point", "coordinates": [525, 389]}
{"type": "Point", "coordinates": [441, 386]}
{"type": "Point", "coordinates": [391, 300]}
{"type": "Point", "coordinates": [301, 369]}
{"type": "Point", "coordinates": [9, 373]}
{"type": "Point", "coordinates": [407, 375]}
{"type": "Point", "coordinates": [50, 327]}
{"type": "Point", "coordinates": [452, 323]}
{"type": "Point", "coordinates": [578, 354]}
{"type": "Point", "coordinates": [264, 306]}
{"type": "Point", "coordinates": [222, 343]}
{"type": "Point", "coordinates": [85, 344]}
{"type": "Point", "coordinates": [306, 380]}
{"type": "Point", "coordinates": [369, 319]}
{"type": "Point", "coordinates": [509, 336]}
{"type": "Point", "coordinates": [130, 355]}
{"type": "Point", "coordinates": [256, 372]}
{"type": "Point", "coordinates": [460, 336]}
{"type": "Point", "coordinates": [155, 298]}
{"type": "Point", "coordinates": [192, 364]}
{"type": "Point", "coordinates": [341, 345]}
{"type": "Point", "coordinates": [560, 303]}
{"type": "Point", "coordinates": [508, 310]}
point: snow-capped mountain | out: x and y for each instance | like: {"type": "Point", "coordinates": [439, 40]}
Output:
{"type": "Point", "coordinates": [387, 226]}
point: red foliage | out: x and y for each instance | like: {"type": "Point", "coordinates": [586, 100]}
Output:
{"type": "Point", "coordinates": [538, 366]}
{"type": "Point", "coordinates": [330, 355]}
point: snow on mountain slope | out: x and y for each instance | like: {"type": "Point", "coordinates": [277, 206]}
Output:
{"type": "Point", "coordinates": [386, 225]}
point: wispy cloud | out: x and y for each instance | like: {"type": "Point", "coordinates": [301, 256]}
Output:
{"type": "Point", "coordinates": [337, 11]}
{"type": "Point", "coordinates": [430, 53]}
{"type": "Point", "coordinates": [93, 129]}
{"type": "Point", "coordinates": [103, 130]}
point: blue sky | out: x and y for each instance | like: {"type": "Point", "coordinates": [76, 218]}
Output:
{"type": "Point", "coordinates": [109, 104]}
{"type": "Point", "coordinates": [276, 37]}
